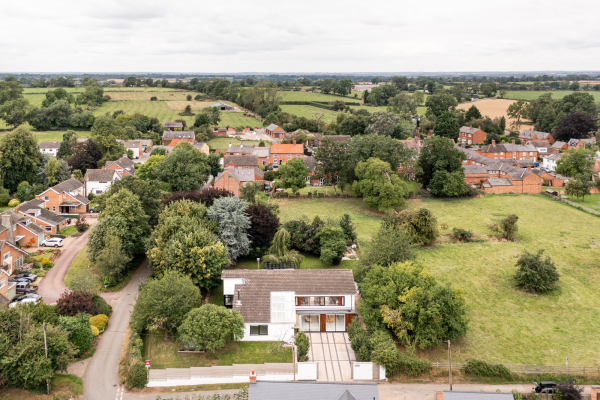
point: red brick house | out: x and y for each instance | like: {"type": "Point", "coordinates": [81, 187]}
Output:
{"type": "Point", "coordinates": [263, 154]}
{"type": "Point", "coordinates": [67, 197]}
{"type": "Point", "coordinates": [521, 181]}
{"type": "Point", "coordinates": [509, 151]}
{"type": "Point", "coordinates": [172, 126]}
{"type": "Point", "coordinates": [219, 132]}
{"type": "Point", "coordinates": [575, 144]}
{"type": "Point", "coordinates": [281, 153]}
{"type": "Point", "coordinates": [526, 135]}
{"type": "Point", "coordinates": [560, 146]}
{"type": "Point", "coordinates": [233, 179]}
{"type": "Point", "coordinates": [12, 258]}
{"type": "Point", "coordinates": [24, 231]}
{"type": "Point", "coordinates": [240, 162]}
{"type": "Point", "coordinates": [240, 150]}
{"type": "Point", "coordinates": [123, 165]}
{"type": "Point", "coordinates": [275, 131]}
{"type": "Point", "coordinates": [171, 138]}
{"type": "Point", "coordinates": [470, 135]}
{"type": "Point", "coordinates": [34, 210]}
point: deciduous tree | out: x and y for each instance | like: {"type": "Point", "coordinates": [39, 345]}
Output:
{"type": "Point", "coordinates": [233, 222]}
{"type": "Point", "coordinates": [293, 174]}
{"type": "Point", "coordinates": [20, 158]}
{"type": "Point", "coordinates": [209, 327]}
{"type": "Point", "coordinates": [378, 185]}
{"type": "Point", "coordinates": [185, 168]}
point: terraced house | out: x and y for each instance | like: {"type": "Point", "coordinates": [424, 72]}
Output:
{"type": "Point", "coordinates": [67, 197]}
{"type": "Point", "coordinates": [526, 135]}
{"type": "Point", "coordinates": [509, 151]}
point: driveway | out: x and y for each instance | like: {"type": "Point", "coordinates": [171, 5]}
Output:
{"type": "Point", "coordinates": [52, 285]}
{"type": "Point", "coordinates": [332, 351]}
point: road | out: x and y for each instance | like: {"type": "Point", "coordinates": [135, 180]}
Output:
{"type": "Point", "coordinates": [101, 379]}
{"type": "Point", "coordinates": [52, 285]}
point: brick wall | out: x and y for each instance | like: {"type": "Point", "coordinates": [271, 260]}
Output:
{"type": "Point", "coordinates": [228, 183]}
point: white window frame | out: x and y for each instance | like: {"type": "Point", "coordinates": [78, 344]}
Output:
{"type": "Point", "coordinates": [2, 282]}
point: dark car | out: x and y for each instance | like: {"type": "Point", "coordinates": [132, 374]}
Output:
{"type": "Point", "coordinates": [545, 387]}
{"type": "Point", "coordinates": [95, 209]}
{"type": "Point", "coordinates": [16, 280]}
{"type": "Point", "coordinates": [23, 287]}
{"type": "Point", "coordinates": [29, 277]}
{"type": "Point", "coordinates": [18, 298]}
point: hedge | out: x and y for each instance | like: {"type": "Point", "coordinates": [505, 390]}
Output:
{"type": "Point", "coordinates": [103, 307]}
{"type": "Point", "coordinates": [481, 368]}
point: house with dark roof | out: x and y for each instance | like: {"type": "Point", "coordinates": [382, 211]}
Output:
{"type": "Point", "coordinates": [575, 144]}
{"type": "Point", "coordinates": [67, 197]}
{"type": "Point", "coordinates": [470, 135]}
{"type": "Point", "coordinates": [241, 150]}
{"type": "Point", "coordinates": [11, 256]}
{"type": "Point", "coordinates": [535, 135]}
{"type": "Point", "coordinates": [173, 125]}
{"type": "Point", "coordinates": [263, 154]}
{"type": "Point", "coordinates": [233, 179]}
{"type": "Point", "coordinates": [98, 181]}
{"type": "Point", "coordinates": [242, 162]}
{"type": "Point", "coordinates": [558, 145]}
{"type": "Point", "coordinates": [172, 138]}
{"type": "Point", "coordinates": [24, 231]}
{"type": "Point", "coordinates": [313, 390]}
{"type": "Point", "coordinates": [274, 302]}
{"type": "Point", "coordinates": [123, 165]}
{"type": "Point", "coordinates": [135, 146]}
{"type": "Point", "coordinates": [510, 151]}
{"type": "Point", "coordinates": [275, 131]}
{"type": "Point", "coordinates": [47, 220]}
{"type": "Point", "coordinates": [543, 148]}
{"type": "Point", "coordinates": [50, 148]}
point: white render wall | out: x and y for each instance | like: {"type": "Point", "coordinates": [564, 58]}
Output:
{"type": "Point", "coordinates": [92, 186]}
{"type": "Point", "coordinates": [229, 286]}
{"type": "Point", "coordinates": [52, 152]}
{"type": "Point", "coordinates": [136, 151]}
{"type": "Point", "coordinates": [277, 332]}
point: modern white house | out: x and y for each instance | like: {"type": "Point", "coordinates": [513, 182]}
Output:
{"type": "Point", "coordinates": [50, 148]}
{"type": "Point", "coordinates": [551, 161]}
{"type": "Point", "coordinates": [135, 146]}
{"type": "Point", "coordinates": [274, 302]}
{"type": "Point", "coordinates": [98, 181]}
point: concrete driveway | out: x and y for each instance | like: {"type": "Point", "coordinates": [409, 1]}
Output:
{"type": "Point", "coordinates": [332, 351]}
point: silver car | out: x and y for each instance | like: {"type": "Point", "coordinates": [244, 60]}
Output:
{"type": "Point", "coordinates": [53, 242]}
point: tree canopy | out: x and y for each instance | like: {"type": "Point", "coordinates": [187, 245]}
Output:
{"type": "Point", "coordinates": [209, 327]}
{"type": "Point", "coordinates": [20, 158]}
{"type": "Point", "coordinates": [233, 222]}
{"type": "Point", "coordinates": [378, 185]}
{"type": "Point", "coordinates": [185, 168]}
{"type": "Point", "coordinates": [438, 154]}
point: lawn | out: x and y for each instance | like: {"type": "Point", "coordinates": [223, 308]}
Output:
{"type": "Point", "coordinates": [592, 201]}
{"type": "Point", "coordinates": [163, 354]}
{"type": "Point", "coordinates": [556, 94]}
{"type": "Point", "coordinates": [69, 230]}
{"type": "Point", "coordinates": [508, 325]}
{"type": "Point", "coordinates": [223, 142]}
{"type": "Point", "coordinates": [50, 136]}
{"type": "Point", "coordinates": [310, 96]}
{"type": "Point", "coordinates": [61, 387]}
{"type": "Point", "coordinates": [308, 112]}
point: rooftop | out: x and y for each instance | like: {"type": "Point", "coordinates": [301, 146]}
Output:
{"type": "Point", "coordinates": [179, 135]}
{"type": "Point", "coordinates": [50, 145]}
{"type": "Point", "coordinates": [262, 390]}
{"type": "Point", "coordinates": [242, 161]}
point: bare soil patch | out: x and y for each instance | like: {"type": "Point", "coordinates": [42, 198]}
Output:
{"type": "Point", "coordinates": [493, 108]}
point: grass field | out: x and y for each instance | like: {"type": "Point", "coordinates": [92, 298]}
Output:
{"type": "Point", "coordinates": [506, 324]}
{"type": "Point", "coordinates": [310, 96]}
{"type": "Point", "coordinates": [223, 143]}
{"type": "Point", "coordinates": [51, 136]}
{"type": "Point", "coordinates": [163, 354]}
{"type": "Point", "coordinates": [308, 112]}
{"type": "Point", "coordinates": [556, 94]}
{"type": "Point", "coordinates": [592, 201]}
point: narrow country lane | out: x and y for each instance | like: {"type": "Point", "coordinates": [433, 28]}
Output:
{"type": "Point", "coordinates": [101, 380]}
{"type": "Point", "coordinates": [52, 285]}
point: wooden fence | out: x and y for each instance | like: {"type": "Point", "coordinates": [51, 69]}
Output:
{"type": "Point", "coordinates": [531, 369]}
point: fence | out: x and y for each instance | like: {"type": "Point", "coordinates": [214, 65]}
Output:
{"type": "Point", "coordinates": [531, 369]}
{"type": "Point", "coordinates": [281, 265]}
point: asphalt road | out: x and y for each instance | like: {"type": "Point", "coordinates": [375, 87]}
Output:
{"type": "Point", "coordinates": [101, 380]}
{"type": "Point", "coordinates": [52, 285]}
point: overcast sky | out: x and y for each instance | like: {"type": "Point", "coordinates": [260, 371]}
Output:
{"type": "Point", "coordinates": [299, 36]}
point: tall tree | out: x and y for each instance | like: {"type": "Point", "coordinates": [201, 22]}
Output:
{"type": "Point", "coordinates": [402, 104]}
{"type": "Point", "coordinates": [438, 154]}
{"type": "Point", "coordinates": [104, 134]}
{"type": "Point", "coordinates": [472, 113]}
{"type": "Point", "coordinates": [20, 158]}
{"type": "Point", "coordinates": [439, 103]}
{"type": "Point", "coordinates": [209, 327]}
{"type": "Point", "coordinates": [145, 171]}
{"type": "Point", "coordinates": [378, 185]}
{"type": "Point", "coordinates": [292, 174]}
{"type": "Point", "coordinates": [233, 222]}
{"type": "Point", "coordinates": [16, 112]}
{"type": "Point", "coordinates": [85, 156]}
{"type": "Point", "coordinates": [148, 193]}
{"type": "Point", "coordinates": [446, 125]}
{"type": "Point", "coordinates": [383, 123]}
{"type": "Point", "coordinates": [574, 162]}
{"type": "Point", "coordinates": [517, 110]}
{"type": "Point", "coordinates": [185, 168]}
{"type": "Point", "coordinates": [330, 158]}
{"type": "Point", "coordinates": [263, 226]}
{"type": "Point", "coordinates": [576, 126]}
{"type": "Point", "coordinates": [66, 146]}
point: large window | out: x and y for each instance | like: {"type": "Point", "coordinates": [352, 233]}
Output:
{"type": "Point", "coordinates": [18, 262]}
{"type": "Point", "coordinates": [228, 300]}
{"type": "Point", "coordinates": [311, 322]}
{"type": "Point", "coordinates": [320, 301]}
{"type": "Point", "coordinates": [256, 330]}
{"type": "Point", "coordinates": [282, 307]}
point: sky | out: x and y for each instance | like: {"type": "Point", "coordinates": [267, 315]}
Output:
{"type": "Point", "coordinates": [299, 36]}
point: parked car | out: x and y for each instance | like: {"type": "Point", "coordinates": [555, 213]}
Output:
{"type": "Point", "coordinates": [95, 209]}
{"type": "Point", "coordinates": [29, 277]}
{"type": "Point", "coordinates": [26, 287]}
{"type": "Point", "coordinates": [28, 298]}
{"type": "Point", "coordinates": [53, 242]}
{"type": "Point", "coordinates": [19, 280]}
{"type": "Point", "coordinates": [545, 387]}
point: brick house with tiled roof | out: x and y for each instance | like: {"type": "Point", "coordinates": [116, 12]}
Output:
{"type": "Point", "coordinates": [123, 165]}
{"type": "Point", "coordinates": [243, 162]}
{"type": "Point", "coordinates": [34, 210]}
{"type": "Point", "coordinates": [135, 146]}
{"type": "Point", "coordinates": [535, 135]}
{"type": "Point", "coordinates": [470, 135]}
{"type": "Point", "coordinates": [281, 153]}
{"type": "Point", "coordinates": [241, 150]}
{"type": "Point", "coordinates": [67, 197]}
{"type": "Point", "coordinates": [275, 131]}
{"type": "Point", "coordinates": [233, 179]}
{"type": "Point", "coordinates": [172, 138]}
{"type": "Point", "coordinates": [276, 302]}
{"type": "Point", "coordinates": [25, 232]}
{"type": "Point", "coordinates": [509, 151]}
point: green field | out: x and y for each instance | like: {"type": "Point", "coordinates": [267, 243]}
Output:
{"type": "Point", "coordinates": [592, 201]}
{"type": "Point", "coordinates": [51, 136]}
{"type": "Point", "coordinates": [223, 142]}
{"type": "Point", "coordinates": [310, 96]}
{"type": "Point", "coordinates": [308, 112]}
{"type": "Point", "coordinates": [506, 324]}
{"type": "Point", "coordinates": [556, 94]}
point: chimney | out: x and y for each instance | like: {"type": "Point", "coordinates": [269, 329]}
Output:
{"type": "Point", "coordinates": [72, 176]}
{"type": "Point", "coordinates": [229, 144]}
{"type": "Point", "coordinates": [556, 151]}
{"type": "Point", "coordinates": [124, 155]}
{"type": "Point", "coordinates": [513, 141]}
{"type": "Point", "coordinates": [493, 142]}
{"type": "Point", "coordinates": [10, 234]}
{"type": "Point", "coordinates": [529, 168]}
{"type": "Point", "coordinates": [253, 377]}
{"type": "Point", "coordinates": [470, 126]}
{"type": "Point", "coordinates": [293, 142]}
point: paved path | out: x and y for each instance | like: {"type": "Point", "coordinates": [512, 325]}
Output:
{"type": "Point", "coordinates": [101, 380]}
{"type": "Point", "coordinates": [332, 352]}
{"type": "Point", "coordinates": [52, 285]}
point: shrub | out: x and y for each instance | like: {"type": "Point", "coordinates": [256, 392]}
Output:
{"type": "Point", "coordinates": [568, 391]}
{"type": "Point", "coordinates": [102, 305]}
{"type": "Point", "coordinates": [462, 235]}
{"type": "Point", "coordinates": [80, 332]}
{"type": "Point", "coordinates": [359, 341]}
{"type": "Point", "coordinates": [81, 224]}
{"type": "Point", "coordinates": [4, 199]}
{"type": "Point", "coordinates": [481, 368]}
{"type": "Point", "coordinates": [49, 265]}
{"type": "Point", "coordinates": [303, 345]}
{"type": "Point", "coordinates": [95, 331]}
{"type": "Point", "coordinates": [72, 303]}
{"type": "Point", "coordinates": [153, 98]}
{"type": "Point", "coordinates": [100, 321]}
{"type": "Point", "coordinates": [14, 203]}
{"type": "Point", "coordinates": [138, 376]}
{"type": "Point", "coordinates": [386, 353]}
{"type": "Point", "coordinates": [91, 196]}
{"type": "Point", "coordinates": [535, 273]}
{"type": "Point", "coordinates": [444, 225]}
{"type": "Point", "coordinates": [509, 227]}
{"type": "Point", "coordinates": [421, 224]}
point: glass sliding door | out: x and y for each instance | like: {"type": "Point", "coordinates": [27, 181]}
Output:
{"type": "Point", "coordinates": [311, 322]}
{"type": "Point", "coordinates": [340, 322]}
{"type": "Point", "coordinates": [330, 323]}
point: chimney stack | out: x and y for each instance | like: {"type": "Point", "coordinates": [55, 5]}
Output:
{"type": "Point", "coordinates": [513, 141]}
{"type": "Point", "coordinates": [293, 142]}
{"type": "Point", "coordinates": [253, 377]}
{"type": "Point", "coordinates": [242, 144]}
{"type": "Point", "coordinates": [72, 176]}
{"type": "Point", "coordinates": [470, 126]}
{"type": "Point", "coordinates": [229, 144]}
{"type": "Point", "coordinates": [124, 155]}
{"type": "Point", "coordinates": [556, 151]}
{"type": "Point", "coordinates": [529, 168]}
{"type": "Point", "coordinates": [493, 142]}
{"type": "Point", "coordinates": [10, 234]}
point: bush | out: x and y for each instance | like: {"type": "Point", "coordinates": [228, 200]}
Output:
{"type": "Point", "coordinates": [535, 273]}
{"type": "Point", "coordinates": [81, 224]}
{"type": "Point", "coordinates": [481, 368]}
{"type": "Point", "coordinates": [509, 227]}
{"type": "Point", "coordinates": [568, 391]}
{"type": "Point", "coordinates": [14, 203]}
{"type": "Point", "coordinates": [421, 224]}
{"type": "Point", "coordinates": [72, 303]}
{"type": "Point", "coordinates": [359, 341]}
{"type": "Point", "coordinates": [95, 331]}
{"type": "Point", "coordinates": [138, 376]}
{"type": "Point", "coordinates": [102, 305]}
{"type": "Point", "coordinates": [386, 353]}
{"type": "Point", "coordinates": [4, 199]}
{"type": "Point", "coordinates": [153, 98]}
{"type": "Point", "coordinates": [91, 196]}
{"type": "Point", "coordinates": [80, 332]}
{"type": "Point", "coordinates": [303, 345]}
{"type": "Point", "coordinates": [462, 235]}
{"type": "Point", "coordinates": [100, 321]}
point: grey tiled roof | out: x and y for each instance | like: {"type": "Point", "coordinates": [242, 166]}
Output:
{"type": "Point", "coordinates": [558, 145]}
{"type": "Point", "coordinates": [273, 127]}
{"type": "Point", "coordinates": [475, 169]}
{"type": "Point", "coordinates": [50, 145]}
{"type": "Point", "coordinates": [69, 185]}
{"type": "Point", "coordinates": [255, 293]}
{"type": "Point", "coordinates": [45, 216]}
{"type": "Point", "coordinates": [526, 134]}
{"type": "Point", "coordinates": [313, 390]}
{"type": "Point", "coordinates": [310, 163]}
{"type": "Point", "coordinates": [173, 125]}
{"type": "Point", "coordinates": [244, 161]}
{"type": "Point", "coordinates": [262, 152]}
{"type": "Point", "coordinates": [132, 143]}
{"type": "Point", "coordinates": [179, 135]}
{"type": "Point", "coordinates": [499, 181]}
{"type": "Point", "coordinates": [82, 199]}
{"type": "Point", "coordinates": [246, 175]}
{"type": "Point", "coordinates": [476, 396]}
{"type": "Point", "coordinates": [100, 175]}
{"type": "Point", "coordinates": [468, 129]}
{"type": "Point", "coordinates": [32, 227]}
{"type": "Point", "coordinates": [239, 149]}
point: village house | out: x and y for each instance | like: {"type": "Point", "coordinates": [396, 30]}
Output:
{"type": "Point", "coordinates": [98, 181]}
{"type": "Point", "coordinates": [263, 154]}
{"type": "Point", "coordinates": [202, 148]}
{"type": "Point", "coordinates": [511, 151]}
{"type": "Point", "coordinates": [172, 126]}
{"type": "Point", "coordinates": [543, 147]}
{"type": "Point", "coordinates": [123, 165]}
{"type": "Point", "coordinates": [34, 210]}
{"type": "Point", "coordinates": [414, 144]}
{"type": "Point", "coordinates": [172, 138]}
{"type": "Point", "coordinates": [281, 153]}
{"type": "Point", "coordinates": [222, 106]}
{"type": "Point", "coordinates": [219, 132]}
{"type": "Point", "coordinates": [233, 179]}
{"type": "Point", "coordinates": [526, 135]}
{"type": "Point", "coordinates": [25, 232]}
{"type": "Point", "coordinates": [560, 146]}
{"type": "Point", "coordinates": [50, 148]}
{"type": "Point", "coordinates": [275, 131]}
{"type": "Point", "coordinates": [276, 302]}
{"type": "Point", "coordinates": [550, 161]}
{"type": "Point", "coordinates": [318, 139]}
{"type": "Point", "coordinates": [470, 135]}
{"type": "Point", "coordinates": [12, 258]}
{"type": "Point", "coordinates": [575, 144]}
{"type": "Point", "coordinates": [67, 197]}
{"type": "Point", "coordinates": [135, 146]}
{"type": "Point", "coordinates": [147, 145]}
{"type": "Point", "coordinates": [241, 162]}
{"type": "Point", "coordinates": [240, 150]}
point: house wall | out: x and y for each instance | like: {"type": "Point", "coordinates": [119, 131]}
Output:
{"type": "Point", "coordinates": [29, 236]}
{"type": "Point", "coordinates": [137, 151]}
{"type": "Point", "coordinates": [229, 285]}
{"type": "Point", "coordinates": [284, 157]}
{"type": "Point", "coordinates": [205, 149]}
{"type": "Point", "coordinates": [476, 178]}
{"type": "Point", "coordinates": [532, 184]}
{"type": "Point", "coordinates": [94, 186]}
{"type": "Point", "coordinates": [51, 152]}
{"type": "Point", "coordinates": [118, 168]}
{"type": "Point", "coordinates": [228, 183]}
{"type": "Point", "coordinates": [54, 199]}
{"type": "Point", "coordinates": [5, 286]}
{"type": "Point", "coordinates": [12, 253]}
{"type": "Point", "coordinates": [276, 332]}
{"type": "Point", "coordinates": [53, 228]}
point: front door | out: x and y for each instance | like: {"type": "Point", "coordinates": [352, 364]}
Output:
{"type": "Point", "coordinates": [323, 316]}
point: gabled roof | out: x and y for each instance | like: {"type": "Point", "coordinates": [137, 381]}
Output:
{"type": "Point", "coordinates": [50, 145]}
{"type": "Point", "coordinates": [245, 149]}
{"type": "Point", "coordinates": [540, 143]}
{"type": "Point", "coordinates": [243, 161]}
{"type": "Point", "coordinates": [255, 292]}
{"type": "Point", "coordinates": [527, 134]}
{"type": "Point", "coordinates": [274, 127]}
{"type": "Point", "coordinates": [199, 145]}
{"type": "Point", "coordinates": [310, 163]}
{"type": "Point", "coordinates": [246, 175]}
{"type": "Point", "coordinates": [468, 129]}
{"type": "Point", "coordinates": [279, 148]}
{"type": "Point", "coordinates": [101, 175]}
{"type": "Point", "coordinates": [123, 162]}
{"type": "Point", "coordinates": [500, 182]}
{"type": "Point", "coordinates": [313, 390]}
{"type": "Point", "coordinates": [227, 172]}
{"type": "Point", "coordinates": [82, 199]}
{"type": "Point", "coordinates": [173, 125]}
{"type": "Point", "coordinates": [31, 227]}
{"type": "Point", "coordinates": [220, 104]}
{"type": "Point", "coordinates": [475, 169]}
{"type": "Point", "coordinates": [261, 152]}
{"type": "Point", "coordinates": [146, 142]}
{"type": "Point", "coordinates": [69, 185]}
{"type": "Point", "coordinates": [573, 142]}
{"type": "Point", "coordinates": [132, 143]}
{"type": "Point", "coordinates": [179, 135]}
{"type": "Point", "coordinates": [558, 145]}
{"type": "Point", "coordinates": [45, 216]}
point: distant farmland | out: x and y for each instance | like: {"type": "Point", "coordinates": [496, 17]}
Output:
{"type": "Point", "coordinates": [556, 94]}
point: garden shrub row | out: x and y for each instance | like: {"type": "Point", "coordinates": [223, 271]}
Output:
{"type": "Point", "coordinates": [132, 371]}
{"type": "Point", "coordinates": [481, 368]}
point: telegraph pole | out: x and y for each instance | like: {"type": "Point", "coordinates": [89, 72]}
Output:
{"type": "Point", "coordinates": [46, 349]}
{"type": "Point", "coordinates": [449, 365]}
